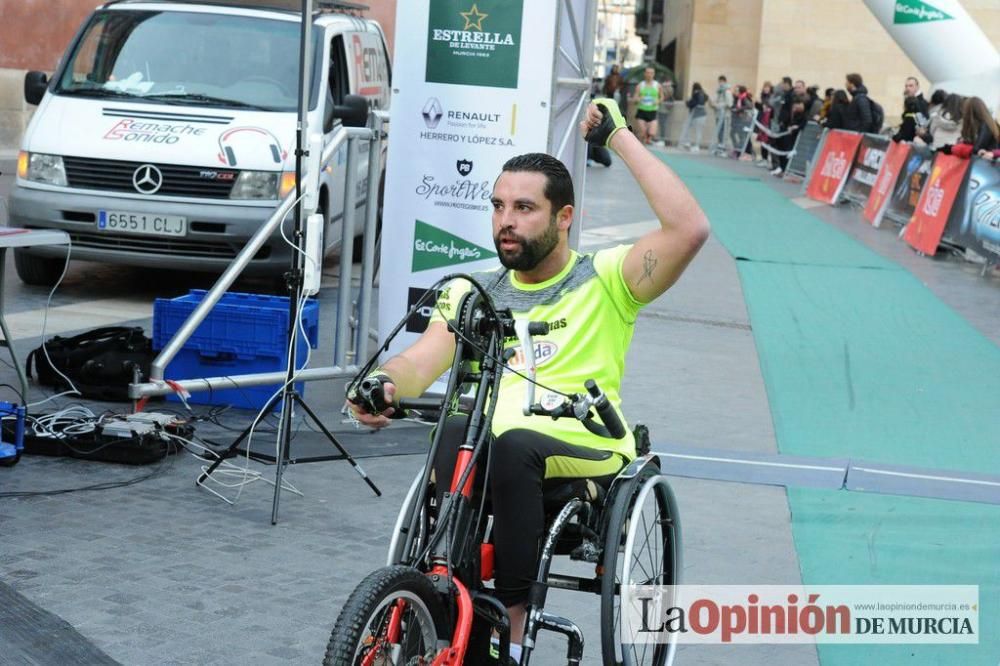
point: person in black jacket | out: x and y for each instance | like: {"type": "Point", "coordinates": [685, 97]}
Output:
{"type": "Point", "coordinates": [836, 117]}
{"type": "Point", "coordinates": [912, 89]}
{"type": "Point", "coordinates": [908, 130]}
{"type": "Point", "coordinates": [859, 113]}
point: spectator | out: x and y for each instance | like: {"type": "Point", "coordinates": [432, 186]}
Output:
{"type": "Point", "coordinates": [859, 113]}
{"type": "Point", "coordinates": [696, 118]}
{"type": "Point", "coordinates": [721, 104]}
{"type": "Point", "coordinates": [613, 84]}
{"type": "Point", "coordinates": [908, 130]}
{"type": "Point", "coordinates": [765, 94]}
{"type": "Point", "coordinates": [912, 89]}
{"type": "Point", "coordinates": [740, 126]}
{"type": "Point", "coordinates": [646, 98]}
{"type": "Point", "coordinates": [946, 126]}
{"type": "Point", "coordinates": [979, 130]}
{"type": "Point", "coordinates": [777, 100]}
{"type": "Point", "coordinates": [666, 105]}
{"type": "Point", "coordinates": [815, 103]}
{"type": "Point", "coordinates": [797, 119]}
{"type": "Point", "coordinates": [836, 117]}
{"type": "Point", "coordinates": [827, 103]}
{"type": "Point", "coordinates": [764, 112]}
{"type": "Point", "coordinates": [933, 112]}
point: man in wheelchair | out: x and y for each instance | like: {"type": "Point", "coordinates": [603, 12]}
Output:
{"type": "Point", "coordinates": [590, 303]}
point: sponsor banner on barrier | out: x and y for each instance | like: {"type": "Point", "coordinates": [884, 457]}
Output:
{"type": "Point", "coordinates": [833, 166]}
{"type": "Point", "coordinates": [975, 218]}
{"type": "Point", "coordinates": [867, 164]}
{"type": "Point", "coordinates": [927, 225]}
{"type": "Point", "coordinates": [790, 614]}
{"type": "Point", "coordinates": [470, 93]}
{"type": "Point", "coordinates": [910, 184]}
{"type": "Point", "coordinates": [881, 191]}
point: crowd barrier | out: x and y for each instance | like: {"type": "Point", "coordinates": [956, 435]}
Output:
{"type": "Point", "coordinates": [938, 199]}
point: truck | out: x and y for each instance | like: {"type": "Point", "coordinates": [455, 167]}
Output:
{"type": "Point", "coordinates": [167, 135]}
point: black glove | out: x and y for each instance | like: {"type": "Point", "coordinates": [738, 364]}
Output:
{"type": "Point", "coordinates": [611, 122]}
{"type": "Point", "coordinates": [369, 393]}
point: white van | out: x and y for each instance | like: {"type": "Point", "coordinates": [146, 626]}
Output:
{"type": "Point", "coordinates": [167, 135]}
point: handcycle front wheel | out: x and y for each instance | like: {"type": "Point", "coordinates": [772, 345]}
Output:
{"type": "Point", "coordinates": [393, 617]}
{"type": "Point", "coordinates": [642, 547]}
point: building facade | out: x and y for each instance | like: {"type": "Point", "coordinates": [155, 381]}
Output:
{"type": "Point", "coordinates": [819, 41]}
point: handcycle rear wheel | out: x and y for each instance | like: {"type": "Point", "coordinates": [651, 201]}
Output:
{"type": "Point", "coordinates": [364, 628]}
{"type": "Point", "coordinates": [642, 547]}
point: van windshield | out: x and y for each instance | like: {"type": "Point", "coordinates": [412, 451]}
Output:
{"type": "Point", "coordinates": [185, 58]}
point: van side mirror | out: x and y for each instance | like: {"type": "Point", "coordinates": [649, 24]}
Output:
{"type": "Point", "coordinates": [353, 112]}
{"type": "Point", "coordinates": [35, 84]}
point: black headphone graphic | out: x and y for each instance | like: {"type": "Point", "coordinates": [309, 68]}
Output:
{"type": "Point", "coordinates": [228, 156]}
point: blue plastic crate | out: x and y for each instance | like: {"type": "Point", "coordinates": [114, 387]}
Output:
{"type": "Point", "coordinates": [244, 333]}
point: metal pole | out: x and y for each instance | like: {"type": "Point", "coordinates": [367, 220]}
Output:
{"type": "Point", "coordinates": [154, 389]}
{"type": "Point", "coordinates": [342, 337]}
{"type": "Point", "coordinates": [295, 275]}
{"type": "Point", "coordinates": [371, 224]}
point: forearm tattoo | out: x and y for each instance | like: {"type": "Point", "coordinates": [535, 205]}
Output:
{"type": "Point", "coordinates": [649, 262]}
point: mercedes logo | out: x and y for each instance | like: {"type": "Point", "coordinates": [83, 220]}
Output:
{"type": "Point", "coordinates": [147, 179]}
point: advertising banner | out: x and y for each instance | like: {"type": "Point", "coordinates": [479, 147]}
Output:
{"type": "Point", "coordinates": [867, 164]}
{"type": "Point", "coordinates": [806, 144]}
{"type": "Point", "coordinates": [975, 219]}
{"type": "Point", "coordinates": [881, 191]}
{"type": "Point", "coordinates": [927, 225]}
{"type": "Point", "coordinates": [833, 165]}
{"type": "Point", "coordinates": [909, 185]}
{"type": "Point", "coordinates": [944, 42]}
{"type": "Point", "coordinates": [470, 92]}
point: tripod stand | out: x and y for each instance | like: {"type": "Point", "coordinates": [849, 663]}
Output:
{"type": "Point", "coordinates": [288, 395]}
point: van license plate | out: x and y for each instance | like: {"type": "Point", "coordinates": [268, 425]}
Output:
{"type": "Point", "coordinates": [141, 223]}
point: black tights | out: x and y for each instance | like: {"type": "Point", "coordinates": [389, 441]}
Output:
{"type": "Point", "coordinates": [523, 465]}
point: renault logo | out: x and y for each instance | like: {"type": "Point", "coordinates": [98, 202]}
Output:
{"type": "Point", "coordinates": [432, 112]}
{"type": "Point", "coordinates": [147, 179]}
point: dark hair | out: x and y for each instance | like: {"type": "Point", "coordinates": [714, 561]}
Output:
{"type": "Point", "coordinates": [722, 77]}
{"type": "Point", "coordinates": [558, 183]}
{"type": "Point", "coordinates": [786, 79]}
{"type": "Point", "coordinates": [855, 80]}
{"type": "Point", "coordinates": [696, 87]}
{"type": "Point", "coordinates": [975, 116]}
{"type": "Point", "coordinates": [813, 91]}
{"type": "Point", "coordinates": [953, 106]}
{"type": "Point", "coordinates": [840, 97]}
{"type": "Point", "coordinates": [939, 96]}
{"type": "Point", "coordinates": [828, 92]}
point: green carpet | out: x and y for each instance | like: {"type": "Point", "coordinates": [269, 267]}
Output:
{"type": "Point", "coordinates": [860, 360]}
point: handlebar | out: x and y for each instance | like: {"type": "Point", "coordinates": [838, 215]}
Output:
{"type": "Point", "coordinates": [370, 393]}
{"type": "Point", "coordinates": [605, 410]}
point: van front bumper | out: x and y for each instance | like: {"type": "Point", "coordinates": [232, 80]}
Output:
{"type": "Point", "coordinates": [216, 232]}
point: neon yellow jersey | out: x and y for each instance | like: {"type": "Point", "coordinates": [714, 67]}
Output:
{"type": "Point", "coordinates": [591, 315]}
{"type": "Point", "coordinates": [649, 96]}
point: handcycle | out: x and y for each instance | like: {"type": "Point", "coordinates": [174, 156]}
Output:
{"type": "Point", "coordinates": [430, 604]}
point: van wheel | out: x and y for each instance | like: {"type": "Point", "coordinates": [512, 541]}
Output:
{"type": "Point", "coordinates": [38, 271]}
